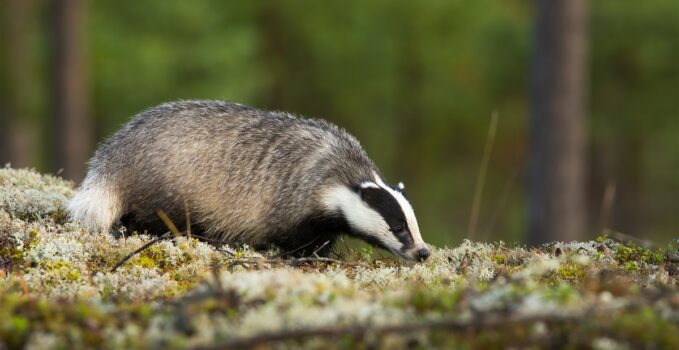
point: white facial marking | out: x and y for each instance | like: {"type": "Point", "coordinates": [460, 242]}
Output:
{"type": "Point", "coordinates": [369, 184]}
{"type": "Point", "coordinates": [407, 210]}
{"type": "Point", "coordinates": [360, 216]}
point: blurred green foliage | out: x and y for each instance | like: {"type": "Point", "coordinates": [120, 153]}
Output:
{"type": "Point", "coordinates": [416, 82]}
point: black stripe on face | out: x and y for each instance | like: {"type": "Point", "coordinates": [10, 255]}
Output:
{"type": "Point", "coordinates": [387, 206]}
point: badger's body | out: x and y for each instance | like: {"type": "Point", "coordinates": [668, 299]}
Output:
{"type": "Point", "coordinates": [246, 176]}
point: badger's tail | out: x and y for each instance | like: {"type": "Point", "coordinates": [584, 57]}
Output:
{"type": "Point", "coordinates": [96, 204]}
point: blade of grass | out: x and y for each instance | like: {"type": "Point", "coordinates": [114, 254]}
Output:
{"type": "Point", "coordinates": [607, 202]}
{"type": "Point", "coordinates": [481, 178]}
{"type": "Point", "coordinates": [188, 218]}
{"type": "Point", "coordinates": [170, 225]}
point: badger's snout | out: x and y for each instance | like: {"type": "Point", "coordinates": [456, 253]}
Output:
{"type": "Point", "coordinates": [423, 254]}
{"type": "Point", "coordinates": [419, 254]}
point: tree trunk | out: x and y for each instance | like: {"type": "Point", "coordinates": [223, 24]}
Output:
{"type": "Point", "coordinates": [72, 127]}
{"type": "Point", "coordinates": [556, 192]}
{"type": "Point", "coordinates": [16, 135]}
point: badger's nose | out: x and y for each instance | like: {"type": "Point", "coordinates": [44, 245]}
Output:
{"type": "Point", "coordinates": [423, 254]}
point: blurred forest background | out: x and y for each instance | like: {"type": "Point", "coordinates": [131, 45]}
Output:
{"type": "Point", "coordinates": [586, 96]}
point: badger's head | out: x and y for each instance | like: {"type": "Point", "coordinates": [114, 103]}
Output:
{"type": "Point", "coordinates": [380, 215]}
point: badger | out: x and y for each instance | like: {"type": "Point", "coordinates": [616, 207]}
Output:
{"type": "Point", "coordinates": [246, 176]}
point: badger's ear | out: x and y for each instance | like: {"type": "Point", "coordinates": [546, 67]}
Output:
{"type": "Point", "coordinates": [400, 187]}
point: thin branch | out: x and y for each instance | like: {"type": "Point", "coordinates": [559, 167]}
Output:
{"type": "Point", "coordinates": [298, 248]}
{"type": "Point", "coordinates": [623, 237]}
{"type": "Point", "coordinates": [291, 262]}
{"type": "Point", "coordinates": [360, 331]}
{"type": "Point", "coordinates": [176, 233]}
{"type": "Point", "coordinates": [325, 260]}
{"type": "Point", "coordinates": [217, 242]}
{"type": "Point", "coordinates": [295, 261]}
{"type": "Point", "coordinates": [319, 248]}
{"type": "Point", "coordinates": [167, 235]}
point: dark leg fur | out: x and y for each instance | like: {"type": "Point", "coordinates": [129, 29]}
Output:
{"type": "Point", "coordinates": [156, 227]}
{"type": "Point", "coordinates": [316, 235]}
{"type": "Point", "coordinates": [321, 245]}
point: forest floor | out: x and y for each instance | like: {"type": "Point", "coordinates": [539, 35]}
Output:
{"type": "Point", "coordinates": [58, 290]}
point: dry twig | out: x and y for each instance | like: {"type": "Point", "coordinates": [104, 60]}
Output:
{"type": "Point", "coordinates": [360, 331]}
{"type": "Point", "coordinates": [174, 233]}
{"type": "Point", "coordinates": [623, 237]}
{"type": "Point", "coordinates": [295, 261]}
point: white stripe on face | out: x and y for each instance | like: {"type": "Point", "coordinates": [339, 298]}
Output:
{"type": "Point", "coordinates": [369, 185]}
{"type": "Point", "coordinates": [407, 211]}
{"type": "Point", "coordinates": [360, 216]}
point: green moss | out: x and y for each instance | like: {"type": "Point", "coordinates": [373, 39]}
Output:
{"type": "Point", "coordinates": [562, 294]}
{"type": "Point", "coordinates": [73, 275]}
{"type": "Point", "coordinates": [646, 326]}
{"type": "Point", "coordinates": [499, 259]}
{"type": "Point", "coordinates": [144, 312]}
{"type": "Point", "coordinates": [61, 268]}
{"type": "Point", "coordinates": [33, 234]}
{"type": "Point", "coordinates": [16, 330]}
{"type": "Point", "coordinates": [630, 253]}
{"type": "Point", "coordinates": [10, 255]}
{"type": "Point", "coordinates": [158, 257]}
{"type": "Point", "coordinates": [14, 258]}
{"type": "Point", "coordinates": [184, 284]}
{"type": "Point", "coordinates": [107, 291]}
{"type": "Point", "coordinates": [57, 264]}
{"type": "Point", "coordinates": [519, 290]}
{"type": "Point", "coordinates": [366, 253]}
{"type": "Point", "coordinates": [146, 261]}
{"type": "Point", "coordinates": [481, 286]}
{"type": "Point", "coordinates": [631, 266]}
{"type": "Point", "coordinates": [437, 299]}
{"type": "Point", "coordinates": [59, 216]}
{"type": "Point", "coordinates": [571, 271]}
{"type": "Point", "coordinates": [169, 292]}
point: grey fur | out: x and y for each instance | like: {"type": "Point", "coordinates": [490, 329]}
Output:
{"type": "Point", "coordinates": [248, 176]}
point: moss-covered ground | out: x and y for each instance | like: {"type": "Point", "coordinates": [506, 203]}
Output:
{"type": "Point", "coordinates": [57, 291]}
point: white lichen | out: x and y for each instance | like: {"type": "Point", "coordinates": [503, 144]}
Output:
{"type": "Point", "coordinates": [182, 292]}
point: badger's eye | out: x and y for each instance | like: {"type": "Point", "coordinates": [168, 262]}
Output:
{"type": "Point", "coordinates": [398, 228]}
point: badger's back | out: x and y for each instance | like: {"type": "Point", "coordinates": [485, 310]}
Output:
{"type": "Point", "coordinates": [243, 173]}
